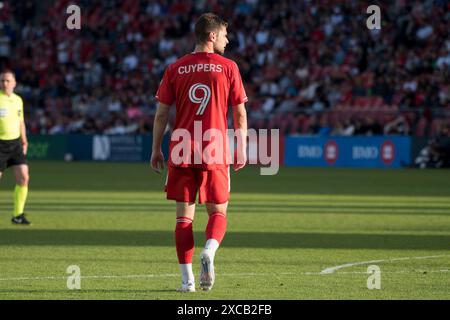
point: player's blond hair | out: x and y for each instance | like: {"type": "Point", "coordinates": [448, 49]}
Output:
{"type": "Point", "coordinates": [206, 23]}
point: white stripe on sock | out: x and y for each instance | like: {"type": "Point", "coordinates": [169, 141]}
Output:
{"type": "Point", "coordinates": [184, 220]}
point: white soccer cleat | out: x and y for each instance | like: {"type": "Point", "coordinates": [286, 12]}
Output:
{"type": "Point", "coordinates": [207, 275]}
{"type": "Point", "coordinates": [187, 287]}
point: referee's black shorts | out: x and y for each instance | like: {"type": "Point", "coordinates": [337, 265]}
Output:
{"type": "Point", "coordinates": [11, 154]}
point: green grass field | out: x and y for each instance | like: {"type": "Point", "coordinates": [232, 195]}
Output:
{"type": "Point", "coordinates": [112, 220]}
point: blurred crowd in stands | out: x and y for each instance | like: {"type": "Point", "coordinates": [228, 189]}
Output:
{"type": "Point", "coordinates": [436, 153]}
{"type": "Point", "coordinates": [309, 67]}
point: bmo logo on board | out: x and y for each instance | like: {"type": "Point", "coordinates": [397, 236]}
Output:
{"type": "Point", "coordinates": [331, 152]}
{"type": "Point", "coordinates": [387, 152]}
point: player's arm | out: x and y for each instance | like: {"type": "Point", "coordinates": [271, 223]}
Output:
{"type": "Point", "coordinates": [23, 136]}
{"type": "Point", "coordinates": [159, 126]}
{"type": "Point", "coordinates": [240, 127]}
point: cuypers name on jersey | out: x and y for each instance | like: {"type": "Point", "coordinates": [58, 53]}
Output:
{"type": "Point", "coordinates": [200, 68]}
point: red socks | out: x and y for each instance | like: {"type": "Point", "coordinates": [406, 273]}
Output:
{"type": "Point", "coordinates": [184, 236]}
{"type": "Point", "coordinates": [217, 225]}
{"type": "Point", "coordinates": [184, 240]}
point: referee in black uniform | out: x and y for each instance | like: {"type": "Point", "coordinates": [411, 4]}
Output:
{"type": "Point", "coordinates": [13, 143]}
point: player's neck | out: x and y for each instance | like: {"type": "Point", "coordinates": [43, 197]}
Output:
{"type": "Point", "coordinates": [203, 48]}
{"type": "Point", "coordinates": [9, 94]}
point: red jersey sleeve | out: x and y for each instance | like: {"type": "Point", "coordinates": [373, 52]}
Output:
{"type": "Point", "coordinates": [165, 93]}
{"type": "Point", "coordinates": [237, 91]}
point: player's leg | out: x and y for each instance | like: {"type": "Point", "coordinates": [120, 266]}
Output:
{"type": "Point", "coordinates": [184, 242]}
{"type": "Point", "coordinates": [12, 156]}
{"type": "Point", "coordinates": [181, 186]}
{"type": "Point", "coordinates": [214, 190]}
{"type": "Point", "coordinates": [21, 174]}
{"type": "Point", "coordinates": [215, 231]}
{"type": "Point", "coordinates": [217, 225]}
{"type": "Point", "coordinates": [3, 161]}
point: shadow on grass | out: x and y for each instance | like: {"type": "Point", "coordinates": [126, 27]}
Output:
{"type": "Point", "coordinates": [240, 208]}
{"type": "Point", "coordinates": [30, 237]}
{"type": "Point", "coordinates": [59, 177]}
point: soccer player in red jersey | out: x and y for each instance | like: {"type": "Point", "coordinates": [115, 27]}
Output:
{"type": "Point", "coordinates": [202, 85]}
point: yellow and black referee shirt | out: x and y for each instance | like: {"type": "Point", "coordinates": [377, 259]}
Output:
{"type": "Point", "coordinates": [11, 115]}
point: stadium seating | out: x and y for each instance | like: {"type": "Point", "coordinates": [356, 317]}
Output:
{"type": "Point", "coordinates": [85, 80]}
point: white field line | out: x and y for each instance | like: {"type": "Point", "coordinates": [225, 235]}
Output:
{"type": "Point", "coordinates": [352, 264]}
{"type": "Point", "coordinates": [140, 276]}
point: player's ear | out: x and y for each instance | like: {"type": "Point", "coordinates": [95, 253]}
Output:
{"type": "Point", "coordinates": [212, 36]}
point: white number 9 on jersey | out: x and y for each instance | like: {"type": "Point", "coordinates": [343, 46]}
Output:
{"type": "Point", "coordinates": [202, 101]}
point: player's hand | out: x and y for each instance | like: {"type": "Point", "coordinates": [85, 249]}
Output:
{"type": "Point", "coordinates": [25, 148]}
{"type": "Point", "coordinates": [240, 160]}
{"type": "Point", "coordinates": [157, 161]}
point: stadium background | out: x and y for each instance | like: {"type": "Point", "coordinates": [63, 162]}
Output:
{"type": "Point", "coordinates": [309, 68]}
{"type": "Point", "coordinates": [312, 70]}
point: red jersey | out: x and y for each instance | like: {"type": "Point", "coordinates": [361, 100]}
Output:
{"type": "Point", "coordinates": [202, 85]}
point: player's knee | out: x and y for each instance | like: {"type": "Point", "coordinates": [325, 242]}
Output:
{"type": "Point", "coordinates": [213, 208]}
{"type": "Point", "coordinates": [23, 180]}
{"type": "Point", "coordinates": [217, 211]}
